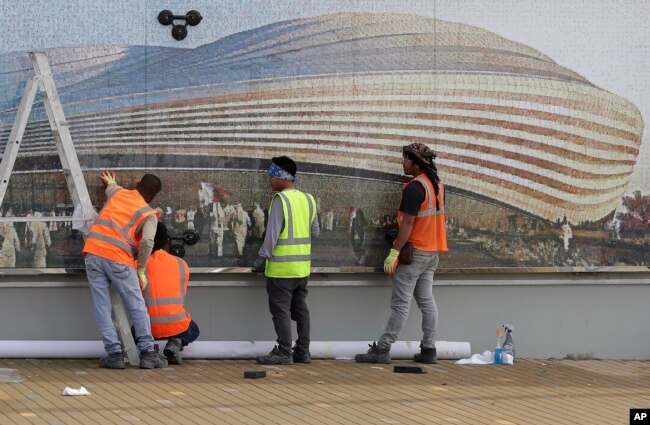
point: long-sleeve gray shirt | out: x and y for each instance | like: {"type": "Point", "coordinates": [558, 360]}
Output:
{"type": "Point", "coordinates": [274, 228]}
{"type": "Point", "coordinates": [148, 232]}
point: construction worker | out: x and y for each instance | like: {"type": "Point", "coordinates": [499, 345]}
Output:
{"type": "Point", "coordinates": [285, 258]}
{"type": "Point", "coordinates": [421, 220]}
{"type": "Point", "coordinates": [123, 231]}
{"type": "Point", "coordinates": [165, 295]}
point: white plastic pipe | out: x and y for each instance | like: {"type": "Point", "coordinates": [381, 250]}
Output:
{"type": "Point", "coordinates": [225, 349]}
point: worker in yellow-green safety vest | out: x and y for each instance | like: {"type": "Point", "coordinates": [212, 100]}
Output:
{"type": "Point", "coordinates": [285, 258]}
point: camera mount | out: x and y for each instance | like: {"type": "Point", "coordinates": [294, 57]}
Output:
{"type": "Point", "coordinates": [189, 237]}
{"type": "Point", "coordinates": [179, 31]}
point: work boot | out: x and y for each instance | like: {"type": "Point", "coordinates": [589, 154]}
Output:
{"type": "Point", "coordinates": [374, 355]}
{"type": "Point", "coordinates": [301, 356]}
{"type": "Point", "coordinates": [150, 359]}
{"type": "Point", "coordinates": [173, 351]}
{"type": "Point", "coordinates": [426, 355]}
{"type": "Point", "coordinates": [276, 356]}
{"type": "Point", "coordinates": [112, 361]}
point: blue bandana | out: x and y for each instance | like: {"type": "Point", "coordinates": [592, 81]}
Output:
{"type": "Point", "coordinates": [279, 173]}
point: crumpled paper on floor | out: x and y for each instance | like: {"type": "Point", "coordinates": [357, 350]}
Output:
{"type": "Point", "coordinates": [74, 391]}
{"type": "Point", "coordinates": [486, 357]}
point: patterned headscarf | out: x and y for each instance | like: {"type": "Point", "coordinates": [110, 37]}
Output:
{"type": "Point", "coordinates": [279, 173]}
{"type": "Point", "coordinates": [421, 153]}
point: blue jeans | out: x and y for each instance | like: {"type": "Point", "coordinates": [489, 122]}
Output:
{"type": "Point", "coordinates": [102, 274]}
{"type": "Point", "coordinates": [188, 335]}
{"type": "Point", "coordinates": [415, 279]}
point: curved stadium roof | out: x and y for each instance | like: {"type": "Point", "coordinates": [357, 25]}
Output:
{"type": "Point", "coordinates": [348, 90]}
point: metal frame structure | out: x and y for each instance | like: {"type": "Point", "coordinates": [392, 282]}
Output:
{"type": "Point", "coordinates": [43, 81]}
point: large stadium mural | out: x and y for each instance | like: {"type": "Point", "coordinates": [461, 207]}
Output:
{"type": "Point", "coordinates": [537, 160]}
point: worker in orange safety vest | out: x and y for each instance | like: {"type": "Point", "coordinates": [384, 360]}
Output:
{"type": "Point", "coordinates": [123, 232]}
{"type": "Point", "coordinates": [168, 277]}
{"type": "Point", "coordinates": [422, 231]}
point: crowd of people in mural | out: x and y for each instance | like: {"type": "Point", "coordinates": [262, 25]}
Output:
{"type": "Point", "coordinates": [223, 224]}
{"type": "Point", "coordinates": [219, 224]}
{"type": "Point", "coordinates": [27, 244]}
{"type": "Point", "coordinates": [231, 232]}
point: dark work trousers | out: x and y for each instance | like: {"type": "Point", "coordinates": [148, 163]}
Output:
{"type": "Point", "coordinates": [287, 302]}
{"type": "Point", "coordinates": [190, 334]}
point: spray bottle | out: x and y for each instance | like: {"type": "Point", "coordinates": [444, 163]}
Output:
{"type": "Point", "coordinates": [498, 350]}
{"type": "Point", "coordinates": [509, 344]}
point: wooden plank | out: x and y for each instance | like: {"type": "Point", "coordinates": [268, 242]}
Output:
{"type": "Point", "coordinates": [326, 392]}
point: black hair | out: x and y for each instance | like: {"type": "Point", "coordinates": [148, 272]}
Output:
{"type": "Point", "coordinates": [286, 163]}
{"type": "Point", "coordinates": [430, 169]}
{"type": "Point", "coordinates": [150, 184]}
{"type": "Point", "coordinates": [161, 238]}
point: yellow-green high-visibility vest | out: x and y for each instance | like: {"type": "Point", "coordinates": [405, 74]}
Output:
{"type": "Point", "coordinates": [291, 256]}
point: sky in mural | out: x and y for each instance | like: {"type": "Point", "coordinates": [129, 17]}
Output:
{"type": "Point", "coordinates": [604, 41]}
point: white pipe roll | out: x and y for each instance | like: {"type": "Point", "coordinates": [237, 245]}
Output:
{"type": "Point", "coordinates": [225, 349]}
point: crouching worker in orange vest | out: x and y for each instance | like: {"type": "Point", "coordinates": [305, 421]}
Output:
{"type": "Point", "coordinates": [168, 276]}
{"type": "Point", "coordinates": [123, 231]}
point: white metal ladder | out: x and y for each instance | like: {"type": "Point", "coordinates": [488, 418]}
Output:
{"type": "Point", "coordinates": [44, 81]}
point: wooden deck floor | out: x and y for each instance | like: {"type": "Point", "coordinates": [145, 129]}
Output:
{"type": "Point", "coordinates": [324, 392]}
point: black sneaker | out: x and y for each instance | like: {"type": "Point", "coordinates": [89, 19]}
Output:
{"type": "Point", "coordinates": [374, 355]}
{"type": "Point", "coordinates": [276, 356]}
{"type": "Point", "coordinates": [301, 356]}
{"type": "Point", "coordinates": [173, 351]}
{"type": "Point", "coordinates": [112, 361]}
{"type": "Point", "coordinates": [150, 359]}
{"type": "Point", "coordinates": [426, 355]}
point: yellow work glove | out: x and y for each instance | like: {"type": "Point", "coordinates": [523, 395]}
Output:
{"type": "Point", "coordinates": [142, 277]}
{"type": "Point", "coordinates": [107, 178]}
{"type": "Point", "coordinates": [390, 263]}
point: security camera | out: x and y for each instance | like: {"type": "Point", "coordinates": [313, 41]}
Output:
{"type": "Point", "coordinates": [179, 31]}
{"type": "Point", "coordinates": [190, 237]}
{"type": "Point", "coordinates": [193, 18]}
{"type": "Point", "coordinates": [166, 17]}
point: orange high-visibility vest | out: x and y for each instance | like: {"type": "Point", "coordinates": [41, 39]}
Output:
{"type": "Point", "coordinates": [116, 233]}
{"type": "Point", "coordinates": [165, 295]}
{"type": "Point", "coordinates": [429, 230]}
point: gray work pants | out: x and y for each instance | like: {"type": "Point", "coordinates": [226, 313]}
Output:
{"type": "Point", "coordinates": [287, 302]}
{"type": "Point", "coordinates": [415, 279]}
